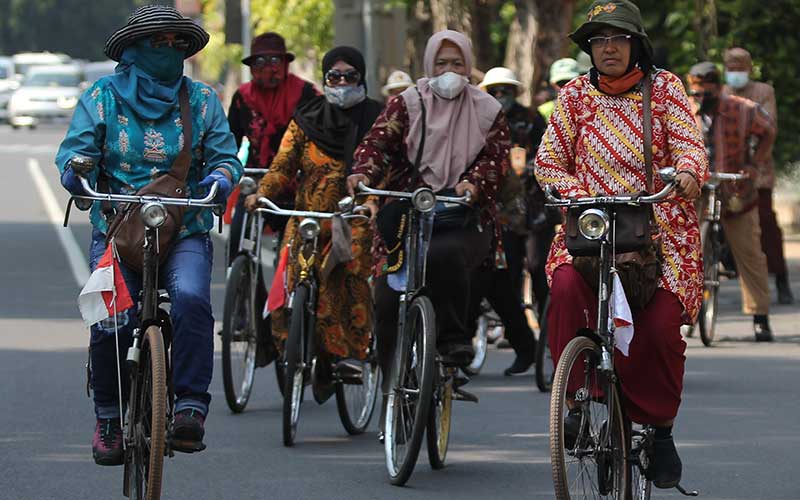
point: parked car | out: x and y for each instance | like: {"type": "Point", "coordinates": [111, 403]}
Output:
{"type": "Point", "coordinates": [8, 84]}
{"type": "Point", "coordinates": [25, 61]}
{"type": "Point", "coordinates": [46, 93]}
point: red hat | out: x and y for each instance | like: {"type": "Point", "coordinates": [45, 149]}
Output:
{"type": "Point", "coordinates": [268, 44]}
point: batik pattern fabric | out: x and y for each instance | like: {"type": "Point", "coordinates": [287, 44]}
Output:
{"type": "Point", "coordinates": [764, 95]}
{"type": "Point", "coordinates": [344, 308]}
{"type": "Point", "coordinates": [383, 157]}
{"type": "Point", "coordinates": [594, 146]}
{"type": "Point", "coordinates": [132, 152]}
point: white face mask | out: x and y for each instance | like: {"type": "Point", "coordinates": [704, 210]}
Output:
{"type": "Point", "coordinates": [448, 85]}
{"type": "Point", "coordinates": [736, 79]}
{"type": "Point", "coordinates": [345, 97]}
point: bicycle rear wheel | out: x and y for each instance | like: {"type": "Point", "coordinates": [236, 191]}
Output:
{"type": "Point", "coordinates": [708, 311]}
{"type": "Point", "coordinates": [544, 362]}
{"type": "Point", "coordinates": [355, 402]}
{"type": "Point", "coordinates": [294, 365]}
{"type": "Point", "coordinates": [239, 334]}
{"type": "Point", "coordinates": [640, 486]}
{"type": "Point", "coordinates": [590, 460]}
{"type": "Point", "coordinates": [147, 421]}
{"type": "Point", "coordinates": [481, 344]}
{"type": "Point", "coordinates": [440, 418]}
{"type": "Point", "coordinates": [409, 397]}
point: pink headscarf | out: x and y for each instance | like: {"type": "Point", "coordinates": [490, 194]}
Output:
{"type": "Point", "coordinates": [456, 129]}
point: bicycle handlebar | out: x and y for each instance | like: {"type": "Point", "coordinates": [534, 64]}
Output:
{"type": "Point", "coordinates": [142, 199]}
{"type": "Point", "coordinates": [608, 200]}
{"type": "Point", "coordinates": [725, 176]}
{"type": "Point", "coordinates": [402, 194]}
{"type": "Point", "coordinates": [272, 208]}
{"type": "Point", "coordinates": [256, 171]}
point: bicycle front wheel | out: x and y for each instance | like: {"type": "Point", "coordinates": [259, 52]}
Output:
{"type": "Point", "coordinates": [409, 398]}
{"type": "Point", "coordinates": [294, 365]}
{"type": "Point", "coordinates": [355, 400]}
{"type": "Point", "coordinates": [440, 418]}
{"type": "Point", "coordinates": [588, 448]}
{"type": "Point", "coordinates": [147, 421]}
{"type": "Point", "coordinates": [544, 361]}
{"type": "Point", "coordinates": [708, 310]}
{"type": "Point", "coordinates": [239, 334]}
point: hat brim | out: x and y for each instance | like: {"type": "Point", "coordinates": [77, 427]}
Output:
{"type": "Point", "coordinates": [499, 81]}
{"type": "Point", "coordinates": [392, 86]}
{"type": "Point", "coordinates": [125, 36]}
{"type": "Point", "coordinates": [587, 29]}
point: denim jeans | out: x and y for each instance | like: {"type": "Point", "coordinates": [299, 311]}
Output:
{"type": "Point", "coordinates": [186, 275]}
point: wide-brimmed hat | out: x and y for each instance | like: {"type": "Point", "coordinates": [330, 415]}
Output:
{"type": "Point", "coordinates": [620, 14]}
{"type": "Point", "coordinates": [564, 70]}
{"type": "Point", "coordinates": [151, 19]}
{"type": "Point", "coordinates": [268, 44]}
{"type": "Point", "coordinates": [397, 80]}
{"type": "Point", "coordinates": [499, 76]}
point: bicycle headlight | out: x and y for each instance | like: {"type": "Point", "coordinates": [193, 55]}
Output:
{"type": "Point", "coordinates": [247, 185]}
{"type": "Point", "coordinates": [309, 229]}
{"type": "Point", "coordinates": [593, 224]}
{"type": "Point", "coordinates": [154, 214]}
{"type": "Point", "coordinates": [423, 199]}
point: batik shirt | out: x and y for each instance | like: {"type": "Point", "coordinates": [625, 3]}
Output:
{"type": "Point", "coordinates": [593, 146]}
{"type": "Point", "coordinates": [132, 152]}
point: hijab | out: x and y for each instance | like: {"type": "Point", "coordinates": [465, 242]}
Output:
{"type": "Point", "coordinates": [334, 130]}
{"type": "Point", "coordinates": [455, 129]}
{"type": "Point", "coordinates": [134, 81]}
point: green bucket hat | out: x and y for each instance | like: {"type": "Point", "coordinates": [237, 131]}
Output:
{"type": "Point", "coordinates": [620, 14]}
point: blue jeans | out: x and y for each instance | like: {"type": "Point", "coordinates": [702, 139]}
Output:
{"type": "Point", "coordinates": [186, 275]}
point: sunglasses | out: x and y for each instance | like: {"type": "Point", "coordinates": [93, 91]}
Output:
{"type": "Point", "coordinates": [614, 41]}
{"type": "Point", "coordinates": [264, 61]}
{"type": "Point", "coordinates": [334, 76]}
{"type": "Point", "coordinates": [177, 42]}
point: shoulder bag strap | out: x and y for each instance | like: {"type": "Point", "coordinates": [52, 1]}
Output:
{"type": "Point", "coordinates": [416, 173]}
{"type": "Point", "coordinates": [180, 167]}
{"type": "Point", "coordinates": [647, 131]}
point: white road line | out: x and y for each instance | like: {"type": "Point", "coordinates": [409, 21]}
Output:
{"type": "Point", "coordinates": [77, 260]}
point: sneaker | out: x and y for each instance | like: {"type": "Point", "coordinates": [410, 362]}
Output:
{"type": "Point", "coordinates": [107, 442]}
{"type": "Point", "coordinates": [188, 431]}
{"type": "Point", "coordinates": [572, 427]}
{"type": "Point", "coordinates": [665, 469]}
{"type": "Point", "coordinates": [519, 366]}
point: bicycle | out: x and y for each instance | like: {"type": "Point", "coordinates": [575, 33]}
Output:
{"type": "Point", "coordinates": [356, 387]}
{"type": "Point", "coordinates": [423, 384]}
{"type": "Point", "coordinates": [487, 331]}
{"type": "Point", "coordinates": [245, 294]}
{"type": "Point", "coordinates": [544, 370]}
{"type": "Point", "coordinates": [610, 456]}
{"type": "Point", "coordinates": [151, 398]}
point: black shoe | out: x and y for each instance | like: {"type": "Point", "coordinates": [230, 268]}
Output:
{"type": "Point", "coordinates": [188, 431]}
{"type": "Point", "coordinates": [572, 427]}
{"type": "Point", "coordinates": [762, 331]}
{"type": "Point", "coordinates": [457, 353]}
{"type": "Point", "coordinates": [785, 296]}
{"type": "Point", "coordinates": [349, 371]}
{"type": "Point", "coordinates": [519, 366]}
{"type": "Point", "coordinates": [665, 469]}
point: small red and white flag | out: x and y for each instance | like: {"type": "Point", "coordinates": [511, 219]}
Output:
{"type": "Point", "coordinates": [105, 293]}
{"type": "Point", "coordinates": [277, 292]}
{"type": "Point", "coordinates": [621, 317]}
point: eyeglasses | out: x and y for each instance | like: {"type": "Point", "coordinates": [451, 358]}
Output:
{"type": "Point", "coordinates": [263, 61]}
{"type": "Point", "coordinates": [334, 76]}
{"type": "Point", "coordinates": [614, 41]}
{"type": "Point", "coordinates": [176, 42]}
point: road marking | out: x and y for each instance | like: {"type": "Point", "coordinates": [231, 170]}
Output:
{"type": "Point", "coordinates": [77, 261]}
{"type": "Point", "coordinates": [27, 148]}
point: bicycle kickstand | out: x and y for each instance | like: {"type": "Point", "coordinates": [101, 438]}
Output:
{"type": "Point", "coordinates": [693, 493]}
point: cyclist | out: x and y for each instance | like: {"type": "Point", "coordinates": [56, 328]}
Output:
{"type": "Point", "coordinates": [593, 145]}
{"type": "Point", "coordinates": [129, 124]}
{"type": "Point", "coordinates": [318, 148]}
{"type": "Point", "coordinates": [466, 148]}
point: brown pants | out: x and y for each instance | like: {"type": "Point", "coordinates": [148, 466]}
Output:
{"type": "Point", "coordinates": [771, 235]}
{"type": "Point", "coordinates": [743, 233]}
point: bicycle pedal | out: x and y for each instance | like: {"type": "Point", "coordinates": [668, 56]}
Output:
{"type": "Point", "coordinates": [462, 395]}
{"type": "Point", "coordinates": [460, 380]}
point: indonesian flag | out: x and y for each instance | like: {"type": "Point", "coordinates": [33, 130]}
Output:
{"type": "Point", "coordinates": [105, 293]}
{"type": "Point", "coordinates": [277, 292]}
{"type": "Point", "coordinates": [621, 317]}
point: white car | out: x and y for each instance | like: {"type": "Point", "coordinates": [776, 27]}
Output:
{"type": "Point", "coordinates": [8, 84]}
{"type": "Point", "coordinates": [46, 93]}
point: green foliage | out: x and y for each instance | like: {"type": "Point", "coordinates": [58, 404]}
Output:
{"type": "Point", "coordinates": [307, 25]}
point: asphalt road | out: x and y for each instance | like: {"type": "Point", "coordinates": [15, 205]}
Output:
{"type": "Point", "coordinates": [737, 431]}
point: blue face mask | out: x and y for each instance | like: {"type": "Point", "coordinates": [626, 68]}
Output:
{"type": "Point", "coordinates": [736, 79]}
{"type": "Point", "coordinates": [164, 63]}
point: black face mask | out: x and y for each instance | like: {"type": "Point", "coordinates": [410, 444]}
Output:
{"type": "Point", "coordinates": [708, 105]}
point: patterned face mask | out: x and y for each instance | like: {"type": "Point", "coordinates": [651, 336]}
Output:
{"type": "Point", "coordinates": [345, 97]}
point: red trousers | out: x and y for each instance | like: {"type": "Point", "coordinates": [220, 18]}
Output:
{"type": "Point", "coordinates": [651, 376]}
{"type": "Point", "coordinates": [771, 235]}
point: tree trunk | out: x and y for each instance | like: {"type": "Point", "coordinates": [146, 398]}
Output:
{"type": "Point", "coordinates": [419, 29]}
{"type": "Point", "coordinates": [705, 26]}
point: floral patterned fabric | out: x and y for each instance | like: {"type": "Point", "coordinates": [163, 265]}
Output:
{"type": "Point", "coordinates": [593, 145]}
{"type": "Point", "coordinates": [344, 309]}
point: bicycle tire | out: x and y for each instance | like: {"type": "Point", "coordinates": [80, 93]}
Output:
{"type": "Point", "coordinates": [481, 345]}
{"type": "Point", "coordinates": [707, 319]}
{"type": "Point", "coordinates": [544, 369]}
{"type": "Point", "coordinates": [420, 331]}
{"type": "Point", "coordinates": [239, 309]}
{"type": "Point", "coordinates": [640, 488]}
{"type": "Point", "coordinates": [144, 456]}
{"type": "Point", "coordinates": [294, 363]}
{"type": "Point", "coordinates": [355, 403]}
{"type": "Point", "coordinates": [598, 445]}
{"type": "Point", "coordinates": [439, 420]}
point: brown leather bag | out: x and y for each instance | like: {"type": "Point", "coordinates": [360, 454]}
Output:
{"type": "Point", "coordinates": [127, 229]}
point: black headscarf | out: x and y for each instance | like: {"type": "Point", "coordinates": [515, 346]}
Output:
{"type": "Point", "coordinates": [334, 130]}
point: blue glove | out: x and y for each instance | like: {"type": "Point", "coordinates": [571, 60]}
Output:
{"type": "Point", "coordinates": [224, 188]}
{"type": "Point", "coordinates": [72, 182]}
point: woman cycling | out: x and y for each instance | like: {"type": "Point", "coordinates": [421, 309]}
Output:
{"type": "Point", "coordinates": [318, 149]}
{"type": "Point", "coordinates": [129, 124]}
{"type": "Point", "coordinates": [466, 147]}
{"type": "Point", "coordinates": [593, 145]}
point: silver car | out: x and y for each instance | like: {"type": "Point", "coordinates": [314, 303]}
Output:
{"type": "Point", "coordinates": [46, 93]}
{"type": "Point", "coordinates": [8, 84]}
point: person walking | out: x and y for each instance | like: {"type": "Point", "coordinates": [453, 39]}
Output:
{"type": "Point", "coordinates": [397, 82]}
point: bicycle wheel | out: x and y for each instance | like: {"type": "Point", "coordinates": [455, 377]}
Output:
{"type": "Point", "coordinates": [640, 486]}
{"type": "Point", "coordinates": [591, 462]}
{"type": "Point", "coordinates": [355, 402]}
{"type": "Point", "coordinates": [239, 334]}
{"type": "Point", "coordinates": [439, 418]}
{"type": "Point", "coordinates": [708, 310]}
{"type": "Point", "coordinates": [294, 365]}
{"type": "Point", "coordinates": [409, 398]}
{"type": "Point", "coordinates": [481, 344]}
{"type": "Point", "coordinates": [544, 362]}
{"type": "Point", "coordinates": [147, 421]}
